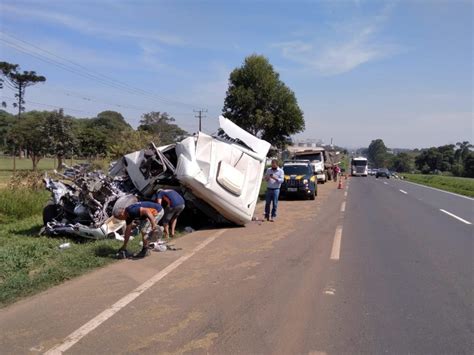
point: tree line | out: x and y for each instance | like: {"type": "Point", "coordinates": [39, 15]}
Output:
{"type": "Point", "coordinates": [52, 133]}
{"type": "Point", "coordinates": [454, 159]}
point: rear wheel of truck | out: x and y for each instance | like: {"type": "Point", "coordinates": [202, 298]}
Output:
{"type": "Point", "coordinates": [50, 212]}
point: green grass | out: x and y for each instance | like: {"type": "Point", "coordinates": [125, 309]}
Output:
{"type": "Point", "coordinates": [6, 164]}
{"type": "Point", "coordinates": [29, 263]}
{"type": "Point", "coordinates": [462, 186]}
{"type": "Point", "coordinates": [20, 204]}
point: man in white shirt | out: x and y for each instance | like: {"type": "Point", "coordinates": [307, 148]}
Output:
{"type": "Point", "coordinates": [274, 177]}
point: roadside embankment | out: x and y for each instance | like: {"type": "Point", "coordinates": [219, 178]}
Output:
{"type": "Point", "coordinates": [462, 186]}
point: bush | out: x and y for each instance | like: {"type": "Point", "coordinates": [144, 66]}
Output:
{"type": "Point", "coordinates": [21, 203]}
{"type": "Point", "coordinates": [24, 179]}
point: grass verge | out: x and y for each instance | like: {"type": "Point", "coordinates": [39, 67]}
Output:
{"type": "Point", "coordinates": [29, 263]}
{"type": "Point", "coordinates": [462, 186]}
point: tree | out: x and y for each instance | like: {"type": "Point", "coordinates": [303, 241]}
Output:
{"type": "Point", "coordinates": [31, 133]}
{"type": "Point", "coordinates": [436, 158]}
{"type": "Point", "coordinates": [61, 139]}
{"type": "Point", "coordinates": [132, 141]}
{"type": "Point", "coordinates": [161, 125]}
{"type": "Point", "coordinates": [429, 160]}
{"type": "Point", "coordinates": [111, 121]}
{"type": "Point", "coordinates": [259, 102]}
{"type": "Point", "coordinates": [19, 81]}
{"type": "Point", "coordinates": [402, 163]}
{"type": "Point", "coordinates": [462, 152]}
{"type": "Point", "coordinates": [377, 153]}
{"type": "Point", "coordinates": [90, 141]}
{"type": "Point", "coordinates": [6, 121]}
{"type": "Point", "coordinates": [447, 157]}
{"type": "Point", "coordinates": [469, 165]}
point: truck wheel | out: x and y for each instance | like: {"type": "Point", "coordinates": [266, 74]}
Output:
{"type": "Point", "coordinates": [50, 212]}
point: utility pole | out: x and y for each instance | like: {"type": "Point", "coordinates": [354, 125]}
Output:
{"type": "Point", "coordinates": [200, 116]}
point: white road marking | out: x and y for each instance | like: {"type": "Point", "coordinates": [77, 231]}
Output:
{"type": "Point", "coordinates": [453, 215]}
{"type": "Point", "coordinates": [330, 291]}
{"type": "Point", "coordinates": [403, 192]}
{"type": "Point", "coordinates": [433, 188]}
{"type": "Point", "coordinates": [345, 194]}
{"type": "Point", "coordinates": [386, 183]}
{"type": "Point", "coordinates": [343, 206]}
{"type": "Point", "coordinates": [80, 333]}
{"type": "Point", "coordinates": [336, 245]}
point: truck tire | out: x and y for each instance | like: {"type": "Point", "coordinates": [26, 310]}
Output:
{"type": "Point", "coordinates": [50, 212]}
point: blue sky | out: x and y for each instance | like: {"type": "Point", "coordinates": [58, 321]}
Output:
{"type": "Point", "coordinates": [360, 70]}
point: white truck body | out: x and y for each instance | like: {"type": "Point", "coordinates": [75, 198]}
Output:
{"type": "Point", "coordinates": [316, 158]}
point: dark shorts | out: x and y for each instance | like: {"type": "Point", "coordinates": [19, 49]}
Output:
{"type": "Point", "coordinates": [172, 212]}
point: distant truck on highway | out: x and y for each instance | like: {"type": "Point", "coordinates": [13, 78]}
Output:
{"type": "Point", "coordinates": [359, 166]}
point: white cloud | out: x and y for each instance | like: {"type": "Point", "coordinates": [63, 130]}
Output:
{"type": "Point", "coordinates": [358, 46]}
{"type": "Point", "coordinates": [88, 27]}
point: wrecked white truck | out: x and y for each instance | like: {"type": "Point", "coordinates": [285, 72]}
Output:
{"type": "Point", "coordinates": [219, 177]}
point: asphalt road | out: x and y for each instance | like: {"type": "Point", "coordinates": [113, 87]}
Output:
{"type": "Point", "coordinates": [367, 270]}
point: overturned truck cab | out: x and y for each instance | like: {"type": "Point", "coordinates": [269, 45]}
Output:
{"type": "Point", "coordinates": [219, 175]}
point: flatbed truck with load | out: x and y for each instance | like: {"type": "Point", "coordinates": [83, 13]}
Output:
{"type": "Point", "coordinates": [322, 161]}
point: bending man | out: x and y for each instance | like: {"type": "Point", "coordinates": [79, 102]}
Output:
{"type": "Point", "coordinates": [174, 207]}
{"type": "Point", "coordinates": [149, 214]}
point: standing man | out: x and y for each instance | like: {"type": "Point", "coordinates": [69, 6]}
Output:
{"type": "Point", "coordinates": [175, 205]}
{"type": "Point", "coordinates": [274, 178]}
{"type": "Point", "coordinates": [149, 214]}
{"type": "Point", "coordinates": [337, 170]}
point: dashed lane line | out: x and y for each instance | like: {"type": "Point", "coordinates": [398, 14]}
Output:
{"type": "Point", "coordinates": [343, 206]}
{"type": "Point", "coordinates": [403, 192]}
{"type": "Point", "coordinates": [336, 245]}
{"type": "Point", "coordinates": [454, 216]}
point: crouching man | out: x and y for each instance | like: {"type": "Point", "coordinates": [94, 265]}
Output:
{"type": "Point", "coordinates": [174, 207]}
{"type": "Point", "coordinates": [149, 214]}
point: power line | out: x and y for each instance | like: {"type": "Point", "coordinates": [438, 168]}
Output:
{"type": "Point", "coordinates": [55, 63]}
{"type": "Point", "coordinates": [83, 71]}
{"type": "Point", "coordinates": [97, 74]}
{"type": "Point", "coordinates": [52, 106]}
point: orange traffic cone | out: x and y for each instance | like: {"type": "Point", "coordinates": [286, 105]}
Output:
{"type": "Point", "coordinates": [340, 183]}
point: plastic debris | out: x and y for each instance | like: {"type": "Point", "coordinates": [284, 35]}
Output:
{"type": "Point", "coordinates": [65, 246]}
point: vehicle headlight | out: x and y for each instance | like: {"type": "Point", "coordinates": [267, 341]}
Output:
{"type": "Point", "coordinates": [305, 181]}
